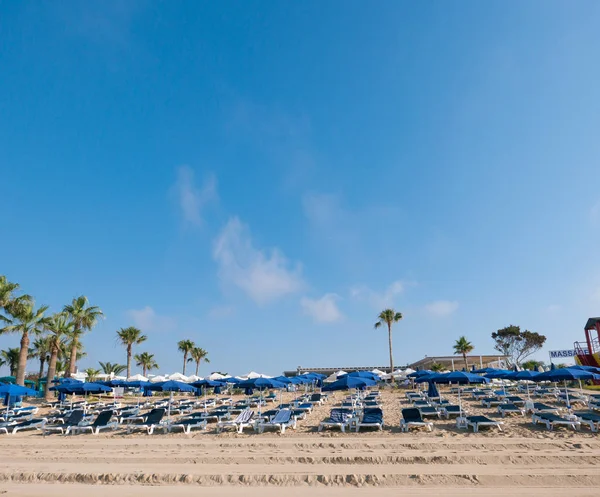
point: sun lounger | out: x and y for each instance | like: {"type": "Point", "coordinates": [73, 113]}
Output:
{"type": "Point", "coordinates": [515, 399]}
{"type": "Point", "coordinates": [187, 424]}
{"type": "Point", "coordinates": [587, 418]}
{"type": "Point", "coordinates": [282, 420]}
{"type": "Point", "coordinates": [551, 420]}
{"type": "Point", "coordinates": [411, 418]}
{"type": "Point", "coordinates": [305, 406]}
{"type": "Point", "coordinates": [30, 424]}
{"type": "Point", "coordinates": [491, 401]}
{"type": "Point", "coordinates": [338, 418]}
{"type": "Point", "coordinates": [316, 398]}
{"type": "Point", "coordinates": [476, 422]}
{"type": "Point", "coordinates": [244, 420]}
{"type": "Point", "coordinates": [537, 407]}
{"type": "Point", "coordinates": [153, 420]}
{"type": "Point", "coordinates": [510, 408]}
{"type": "Point", "coordinates": [371, 418]}
{"type": "Point", "coordinates": [452, 410]}
{"type": "Point", "coordinates": [427, 411]}
{"type": "Point", "coordinates": [73, 419]}
{"type": "Point", "coordinates": [102, 422]}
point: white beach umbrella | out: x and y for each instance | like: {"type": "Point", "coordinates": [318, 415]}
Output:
{"type": "Point", "coordinates": [216, 376]}
{"type": "Point", "coordinates": [179, 377]}
{"type": "Point", "coordinates": [193, 378]}
{"type": "Point", "coordinates": [158, 379]}
{"type": "Point", "coordinates": [137, 377]}
{"type": "Point", "coordinates": [340, 373]}
{"type": "Point", "coordinates": [378, 372]}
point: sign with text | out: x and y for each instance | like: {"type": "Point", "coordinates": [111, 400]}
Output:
{"type": "Point", "coordinates": [564, 354]}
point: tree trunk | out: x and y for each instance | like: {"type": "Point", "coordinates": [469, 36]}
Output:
{"type": "Point", "coordinates": [23, 359]}
{"type": "Point", "coordinates": [51, 373]}
{"type": "Point", "coordinates": [128, 361]}
{"type": "Point", "coordinates": [144, 371]}
{"type": "Point", "coordinates": [42, 361]}
{"type": "Point", "coordinates": [72, 365]}
{"type": "Point", "coordinates": [197, 367]}
{"type": "Point", "coordinates": [466, 363]}
{"type": "Point", "coordinates": [390, 343]}
{"type": "Point", "coordinates": [184, 361]}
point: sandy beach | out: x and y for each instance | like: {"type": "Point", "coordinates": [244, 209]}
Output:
{"type": "Point", "coordinates": [523, 459]}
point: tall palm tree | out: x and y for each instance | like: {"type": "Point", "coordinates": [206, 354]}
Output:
{"type": "Point", "coordinates": [198, 354]}
{"type": "Point", "coordinates": [463, 347]}
{"type": "Point", "coordinates": [146, 361]}
{"type": "Point", "coordinates": [186, 347]}
{"type": "Point", "coordinates": [389, 317]}
{"type": "Point", "coordinates": [10, 357]}
{"type": "Point", "coordinates": [129, 337]}
{"type": "Point", "coordinates": [84, 317]}
{"type": "Point", "coordinates": [41, 352]}
{"type": "Point", "coordinates": [58, 327]}
{"type": "Point", "coordinates": [92, 374]}
{"type": "Point", "coordinates": [26, 320]}
{"type": "Point", "coordinates": [109, 368]}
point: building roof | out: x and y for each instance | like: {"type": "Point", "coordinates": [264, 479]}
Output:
{"type": "Point", "coordinates": [457, 360]}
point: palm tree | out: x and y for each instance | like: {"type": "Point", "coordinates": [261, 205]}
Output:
{"type": "Point", "coordinates": [198, 354]}
{"type": "Point", "coordinates": [109, 368]}
{"type": "Point", "coordinates": [129, 337]}
{"type": "Point", "coordinates": [464, 347]}
{"type": "Point", "coordinates": [11, 358]}
{"type": "Point", "coordinates": [41, 351]}
{"type": "Point", "coordinates": [84, 317]}
{"type": "Point", "coordinates": [59, 326]}
{"type": "Point", "coordinates": [389, 317]}
{"type": "Point", "coordinates": [92, 374]}
{"type": "Point", "coordinates": [26, 320]}
{"type": "Point", "coordinates": [186, 347]}
{"type": "Point", "coordinates": [146, 362]}
{"type": "Point", "coordinates": [9, 302]}
{"type": "Point", "coordinates": [436, 367]}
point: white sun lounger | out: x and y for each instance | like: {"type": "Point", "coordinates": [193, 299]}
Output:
{"type": "Point", "coordinates": [102, 422]}
{"type": "Point", "coordinates": [476, 422]}
{"type": "Point", "coordinates": [282, 420]}
{"type": "Point", "coordinates": [243, 420]}
{"type": "Point", "coordinates": [411, 418]}
{"type": "Point", "coordinates": [551, 420]}
{"type": "Point", "coordinates": [338, 418]}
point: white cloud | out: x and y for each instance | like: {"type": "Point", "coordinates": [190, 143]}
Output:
{"type": "Point", "coordinates": [193, 200]}
{"type": "Point", "coordinates": [378, 300]}
{"type": "Point", "coordinates": [263, 275]}
{"type": "Point", "coordinates": [323, 310]}
{"type": "Point", "coordinates": [441, 308]}
{"type": "Point", "coordinates": [148, 320]}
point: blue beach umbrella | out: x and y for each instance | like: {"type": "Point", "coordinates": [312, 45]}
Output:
{"type": "Point", "coordinates": [170, 386]}
{"type": "Point", "coordinates": [364, 374]}
{"type": "Point", "coordinates": [349, 382]}
{"type": "Point", "coordinates": [566, 374]}
{"type": "Point", "coordinates": [260, 384]}
{"type": "Point", "coordinates": [432, 391]}
{"type": "Point", "coordinates": [485, 370]}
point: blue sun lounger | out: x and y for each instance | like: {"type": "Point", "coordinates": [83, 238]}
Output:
{"type": "Point", "coordinates": [371, 418]}
{"type": "Point", "coordinates": [282, 420]}
{"type": "Point", "coordinates": [411, 418]}
{"type": "Point", "coordinates": [338, 418]}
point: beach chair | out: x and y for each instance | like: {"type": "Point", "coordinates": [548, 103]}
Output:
{"type": "Point", "coordinates": [476, 422]}
{"type": "Point", "coordinates": [73, 419]}
{"type": "Point", "coordinates": [491, 401]}
{"type": "Point", "coordinates": [305, 406]}
{"type": "Point", "coordinates": [316, 398]}
{"type": "Point", "coordinates": [371, 418]}
{"type": "Point", "coordinates": [153, 420]}
{"type": "Point", "coordinates": [452, 410]}
{"type": "Point", "coordinates": [338, 418]}
{"type": "Point", "coordinates": [188, 424]}
{"type": "Point", "coordinates": [243, 420]}
{"type": "Point", "coordinates": [510, 408]}
{"type": "Point", "coordinates": [515, 399]}
{"type": "Point", "coordinates": [30, 424]}
{"type": "Point", "coordinates": [551, 420]}
{"type": "Point", "coordinates": [538, 407]}
{"type": "Point", "coordinates": [411, 418]}
{"type": "Point", "coordinates": [590, 419]}
{"type": "Point", "coordinates": [102, 422]}
{"type": "Point", "coordinates": [427, 411]}
{"type": "Point", "coordinates": [282, 420]}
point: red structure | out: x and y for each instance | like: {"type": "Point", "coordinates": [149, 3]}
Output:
{"type": "Point", "coordinates": [588, 352]}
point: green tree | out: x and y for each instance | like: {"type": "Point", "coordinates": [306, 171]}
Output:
{"type": "Point", "coordinates": [389, 317]}
{"type": "Point", "coordinates": [92, 374]}
{"type": "Point", "coordinates": [146, 361]}
{"type": "Point", "coordinates": [532, 365]}
{"type": "Point", "coordinates": [10, 357]}
{"type": "Point", "coordinates": [463, 347]}
{"type": "Point", "coordinates": [436, 367]}
{"type": "Point", "coordinates": [26, 320]}
{"type": "Point", "coordinates": [186, 347]}
{"type": "Point", "coordinates": [58, 327]}
{"type": "Point", "coordinates": [8, 301]}
{"type": "Point", "coordinates": [129, 337]}
{"type": "Point", "coordinates": [199, 354]}
{"type": "Point", "coordinates": [41, 352]}
{"type": "Point", "coordinates": [516, 345]}
{"type": "Point", "coordinates": [109, 368]}
{"type": "Point", "coordinates": [84, 318]}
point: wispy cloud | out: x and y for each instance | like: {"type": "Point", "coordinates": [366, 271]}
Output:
{"type": "Point", "coordinates": [378, 300]}
{"type": "Point", "coordinates": [323, 310]}
{"type": "Point", "coordinates": [191, 199]}
{"type": "Point", "coordinates": [149, 321]}
{"type": "Point", "coordinates": [264, 275]}
{"type": "Point", "coordinates": [441, 308]}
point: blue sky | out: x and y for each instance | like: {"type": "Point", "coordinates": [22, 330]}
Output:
{"type": "Point", "coordinates": [264, 178]}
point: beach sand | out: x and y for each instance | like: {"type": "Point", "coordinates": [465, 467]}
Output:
{"type": "Point", "coordinates": [521, 460]}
